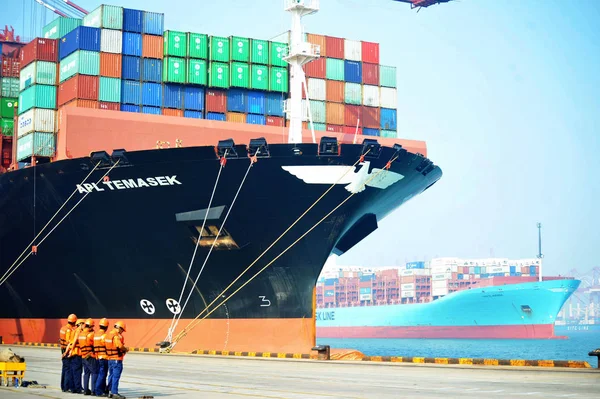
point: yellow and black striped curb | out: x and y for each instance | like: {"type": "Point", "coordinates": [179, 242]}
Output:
{"type": "Point", "coordinates": [256, 354]}
{"type": "Point", "coordinates": [479, 362]}
{"type": "Point", "coordinates": [37, 344]}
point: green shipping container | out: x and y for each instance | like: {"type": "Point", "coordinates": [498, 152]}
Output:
{"type": "Point", "coordinates": [175, 43]}
{"type": "Point", "coordinates": [240, 75]}
{"type": "Point", "coordinates": [218, 75]}
{"type": "Point", "coordinates": [174, 70]}
{"type": "Point", "coordinates": [259, 52]}
{"type": "Point", "coordinates": [278, 80]}
{"type": "Point", "coordinates": [240, 49]}
{"type": "Point", "coordinates": [38, 96]}
{"type": "Point", "coordinates": [35, 143]}
{"type": "Point", "coordinates": [387, 76]}
{"type": "Point", "coordinates": [277, 51]}
{"type": "Point", "coordinates": [219, 49]}
{"type": "Point", "coordinates": [197, 45]}
{"type": "Point", "coordinates": [107, 17]}
{"type": "Point", "coordinates": [334, 69]}
{"type": "Point", "coordinates": [259, 77]}
{"type": "Point", "coordinates": [196, 72]}
{"type": "Point", "coordinates": [82, 62]}
{"type": "Point", "coordinates": [7, 126]}
{"type": "Point", "coordinates": [110, 90]}
{"type": "Point", "coordinates": [38, 72]}
{"type": "Point", "coordinates": [320, 127]}
{"type": "Point", "coordinates": [7, 107]}
{"type": "Point", "coordinates": [353, 93]}
{"type": "Point", "coordinates": [389, 133]}
{"type": "Point", "coordinates": [10, 87]}
{"type": "Point", "coordinates": [60, 27]}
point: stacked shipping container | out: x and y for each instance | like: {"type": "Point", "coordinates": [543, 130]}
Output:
{"type": "Point", "coordinates": [9, 92]}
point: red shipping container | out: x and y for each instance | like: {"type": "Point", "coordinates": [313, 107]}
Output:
{"type": "Point", "coordinates": [352, 114]}
{"type": "Point", "coordinates": [370, 74]}
{"type": "Point", "coordinates": [216, 101]}
{"type": "Point", "coordinates": [316, 68]}
{"type": "Point", "coordinates": [335, 128]}
{"type": "Point", "coordinates": [110, 65]}
{"type": "Point", "coordinates": [10, 67]}
{"type": "Point", "coordinates": [109, 106]}
{"type": "Point", "coordinates": [172, 112]}
{"type": "Point", "coordinates": [39, 50]}
{"type": "Point", "coordinates": [93, 104]}
{"type": "Point", "coordinates": [79, 86]}
{"type": "Point", "coordinates": [152, 46]}
{"type": "Point", "coordinates": [335, 91]}
{"type": "Point", "coordinates": [352, 130]}
{"type": "Point", "coordinates": [371, 118]}
{"type": "Point", "coordinates": [335, 114]}
{"type": "Point", "coordinates": [274, 121]}
{"type": "Point", "coordinates": [335, 47]}
{"type": "Point", "coordinates": [370, 52]}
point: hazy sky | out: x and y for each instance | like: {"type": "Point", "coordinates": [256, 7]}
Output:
{"type": "Point", "coordinates": [506, 94]}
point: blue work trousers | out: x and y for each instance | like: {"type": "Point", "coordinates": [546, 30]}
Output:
{"type": "Point", "coordinates": [76, 369]}
{"type": "Point", "coordinates": [66, 381]}
{"type": "Point", "coordinates": [100, 387]}
{"type": "Point", "coordinates": [90, 370]}
{"type": "Point", "coordinates": [115, 367]}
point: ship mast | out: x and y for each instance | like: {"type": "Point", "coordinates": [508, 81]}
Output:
{"type": "Point", "coordinates": [540, 255]}
{"type": "Point", "coordinates": [299, 53]}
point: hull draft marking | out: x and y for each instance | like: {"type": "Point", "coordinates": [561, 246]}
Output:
{"type": "Point", "coordinates": [147, 306]}
{"type": "Point", "coordinates": [173, 306]}
{"type": "Point", "coordinates": [355, 182]}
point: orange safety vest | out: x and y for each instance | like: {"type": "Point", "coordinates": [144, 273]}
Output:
{"type": "Point", "coordinates": [75, 348]}
{"type": "Point", "coordinates": [115, 345]}
{"type": "Point", "coordinates": [85, 346]}
{"type": "Point", "coordinates": [65, 335]}
{"type": "Point", "coordinates": [99, 346]}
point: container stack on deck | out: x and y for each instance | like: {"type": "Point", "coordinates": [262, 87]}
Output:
{"type": "Point", "coordinates": [9, 92]}
{"type": "Point", "coordinates": [419, 282]}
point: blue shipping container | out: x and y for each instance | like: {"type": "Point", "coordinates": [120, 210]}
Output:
{"type": "Point", "coordinates": [152, 70]}
{"type": "Point", "coordinates": [152, 94]}
{"type": "Point", "coordinates": [132, 44]}
{"type": "Point", "coordinates": [192, 114]}
{"type": "Point", "coordinates": [256, 119]}
{"type": "Point", "coordinates": [460, 276]}
{"type": "Point", "coordinates": [485, 275]}
{"type": "Point", "coordinates": [80, 38]}
{"type": "Point", "coordinates": [388, 119]}
{"type": "Point", "coordinates": [275, 104]}
{"type": "Point", "coordinates": [214, 116]}
{"type": "Point", "coordinates": [531, 269]}
{"type": "Point", "coordinates": [151, 110]}
{"type": "Point", "coordinates": [415, 265]}
{"type": "Point", "coordinates": [153, 23]}
{"type": "Point", "coordinates": [256, 103]}
{"type": "Point", "coordinates": [236, 100]}
{"type": "Point", "coordinates": [173, 96]}
{"type": "Point", "coordinates": [131, 67]}
{"type": "Point", "coordinates": [329, 293]}
{"type": "Point", "coordinates": [353, 71]}
{"type": "Point", "coordinates": [477, 269]}
{"type": "Point", "coordinates": [131, 92]}
{"type": "Point", "coordinates": [331, 281]}
{"type": "Point", "coordinates": [513, 269]}
{"type": "Point", "coordinates": [367, 278]}
{"type": "Point", "coordinates": [370, 132]}
{"type": "Point", "coordinates": [132, 20]}
{"type": "Point", "coordinates": [130, 108]}
{"type": "Point", "coordinates": [193, 99]}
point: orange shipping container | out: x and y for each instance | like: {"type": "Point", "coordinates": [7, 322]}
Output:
{"type": "Point", "coordinates": [319, 40]}
{"type": "Point", "coordinates": [152, 46]}
{"type": "Point", "coordinates": [172, 112]}
{"type": "Point", "coordinates": [82, 104]}
{"type": "Point", "coordinates": [236, 117]}
{"type": "Point", "coordinates": [334, 113]}
{"type": "Point", "coordinates": [408, 279]}
{"type": "Point", "coordinates": [110, 65]}
{"type": "Point", "coordinates": [335, 91]}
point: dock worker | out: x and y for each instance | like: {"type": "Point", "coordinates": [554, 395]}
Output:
{"type": "Point", "coordinates": [100, 351]}
{"type": "Point", "coordinates": [66, 334]}
{"type": "Point", "coordinates": [116, 350]}
{"type": "Point", "coordinates": [74, 352]}
{"type": "Point", "coordinates": [88, 357]}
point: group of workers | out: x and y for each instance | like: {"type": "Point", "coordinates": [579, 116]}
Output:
{"type": "Point", "coordinates": [96, 353]}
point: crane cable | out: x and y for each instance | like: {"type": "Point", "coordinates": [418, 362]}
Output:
{"type": "Point", "coordinates": [34, 248]}
{"type": "Point", "coordinates": [191, 325]}
{"type": "Point", "coordinates": [171, 327]}
{"type": "Point", "coordinates": [252, 162]}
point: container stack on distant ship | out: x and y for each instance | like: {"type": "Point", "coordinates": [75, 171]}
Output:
{"type": "Point", "coordinates": [9, 92]}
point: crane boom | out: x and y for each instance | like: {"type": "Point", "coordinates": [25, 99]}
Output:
{"type": "Point", "coordinates": [75, 6]}
{"type": "Point", "coordinates": [49, 7]}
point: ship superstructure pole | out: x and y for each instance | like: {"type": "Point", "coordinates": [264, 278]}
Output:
{"type": "Point", "coordinates": [298, 54]}
{"type": "Point", "coordinates": [540, 255]}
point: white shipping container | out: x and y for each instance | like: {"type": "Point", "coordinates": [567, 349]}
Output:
{"type": "Point", "coordinates": [352, 50]}
{"type": "Point", "coordinates": [441, 276]}
{"type": "Point", "coordinates": [111, 41]}
{"type": "Point", "coordinates": [371, 96]}
{"type": "Point", "coordinates": [317, 89]}
{"type": "Point", "coordinates": [304, 112]}
{"type": "Point", "coordinates": [444, 269]}
{"type": "Point", "coordinates": [365, 297]}
{"type": "Point", "coordinates": [439, 284]}
{"type": "Point", "coordinates": [37, 120]}
{"type": "Point", "coordinates": [415, 272]}
{"type": "Point", "coordinates": [408, 294]}
{"type": "Point", "coordinates": [439, 291]}
{"type": "Point", "coordinates": [389, 98]}
{"type": "Point", "coordinates": [408, 287]}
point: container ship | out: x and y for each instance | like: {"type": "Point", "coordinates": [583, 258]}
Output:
{"type": "Point", "coordinates": [170, 178]}
{"type": "Point", "coordinates": [444, 298]}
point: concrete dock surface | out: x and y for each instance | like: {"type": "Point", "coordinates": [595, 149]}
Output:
{"type": "Point", "coordinates": [182, 376]}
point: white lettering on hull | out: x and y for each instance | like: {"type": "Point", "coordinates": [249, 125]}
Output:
{"type": "Point", "coordinates": [129, 184]}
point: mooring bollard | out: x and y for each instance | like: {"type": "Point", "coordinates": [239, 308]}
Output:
{"type": "Point", "coordinates": [323, 352]}
{"type": "Point", "coordinates": [596, 352]}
